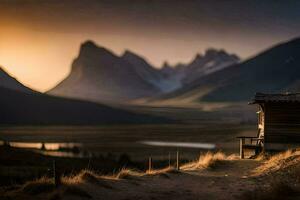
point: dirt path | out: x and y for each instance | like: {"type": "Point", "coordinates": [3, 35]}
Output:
{"type": "Point", "coordinates": [228, 181]}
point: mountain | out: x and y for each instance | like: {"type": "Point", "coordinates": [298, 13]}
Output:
{"type": "Point", "coordinates": [37, 108]}
{"type": "Point", "coordinates": [212, 61]}
{"type": "Point", "coordinates": [151, 74]}
{"type": "Point", "coordinates": [9, 82]}
{"type": "Point", "coordinates": [99, 75]}
{"type": "Point", "coordinates": [275, 70]}
{"type": "Point", "coordinates": [176, 72]}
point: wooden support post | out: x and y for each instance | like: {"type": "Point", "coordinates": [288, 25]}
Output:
{"type": "Point", "coordinates": [242, 142]}
{"type": "Point", "coordinates": [177, 160]}
{"type": "Point", "coordinates": [150, 164]}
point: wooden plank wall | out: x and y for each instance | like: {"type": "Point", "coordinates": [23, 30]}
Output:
{"type": "Point", "coordinates": [282, 124]}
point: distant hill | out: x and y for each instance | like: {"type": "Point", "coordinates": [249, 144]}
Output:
{"type": "Point", "coordinates": [36, 108]}
{"type": "Point", "coordinates": [274, 70]}
{"type": "Point", "coordinates": [9, 82]}
{"type": "Point", "coordinates": [21, 105]}
{"type": "Point", "coordinates": [99, 75]}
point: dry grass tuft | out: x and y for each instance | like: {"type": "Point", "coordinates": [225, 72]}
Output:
{"type": "Point", "coordinates": [129, 174]}
{"type": "Point", "coordinates": [278, 162]}
{"type": "Point", "coordinates": [87, 176]}
{"type": "Point", "coordinates": [281, 172]}
{"type": "Point", "coordinates": [42, 185]}
{"type": "Point", "coordinates": [261, 157]}
{"type": "Point", "coordinates": [208, 160]}
{"type": "Point", "coordinates": [162, 172]}
{"type": "Point", "coordinates": [84, 176]}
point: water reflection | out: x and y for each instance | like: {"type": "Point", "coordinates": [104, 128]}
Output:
{"type": "Point", "coordinates": [51, 149]}
{"type": "Point", "coordinates": [180, 144]}
{"type": "Point", "coordinates": [44, 146]}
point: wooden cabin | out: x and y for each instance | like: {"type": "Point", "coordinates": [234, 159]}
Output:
{"type": "Point", "coordinates": [278, 123]}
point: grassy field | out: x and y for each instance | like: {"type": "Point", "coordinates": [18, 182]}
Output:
{"type": "Point", "coordinates": [117, 140]}
{"type": "Point", "coordinates": [113, 147]}
{"type": "Point", "coordinates": [211, 176]}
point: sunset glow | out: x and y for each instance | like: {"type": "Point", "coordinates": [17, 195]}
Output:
{"type": "Point", "coordinates": [39, 47]}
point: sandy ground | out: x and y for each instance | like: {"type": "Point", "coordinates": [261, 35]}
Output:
{"type": "Point", "coordinates": [229, 182]}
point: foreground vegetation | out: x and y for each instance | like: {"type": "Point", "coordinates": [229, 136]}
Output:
{"type": "Point", "coordinates": [214, 175]}
{"type": "Point", "coordinates": [111, 174]}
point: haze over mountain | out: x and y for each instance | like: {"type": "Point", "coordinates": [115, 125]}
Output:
{"type": "Point", "coordinates": [99, 75]}
{"type": "Point", "coordinates": [274, 70]}
{"type": "Point", "coordinates": [20, 105]}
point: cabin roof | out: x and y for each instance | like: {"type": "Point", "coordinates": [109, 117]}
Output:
{"type": "Point", "coordinates": [284, 98]}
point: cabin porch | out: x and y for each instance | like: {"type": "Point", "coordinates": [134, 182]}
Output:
{"type": "Point", "coordinates": [249, 143]}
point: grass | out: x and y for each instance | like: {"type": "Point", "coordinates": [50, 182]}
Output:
{"type": "Point", "coordinates": [88, 176]}
{"type": "Point", "coordinates": [278, 177]}
{"type": "Point", "coordinates": [164, 172]}
{"type": "Point", "coordinates": [278, 162]}
{"type": "Point", "coordinates": [126, 173]}
{"type": "Point", "coordinates": [126, 134]}
{"type": "Point", "coordinates": [281, 172]}
{"type": "Point", "coordinates": [206, 161]}
{"type": "Point", "coordinates": [83, 176]}
{"type": "Point", "coordinates": [70, 183]}
{"type": "Point", "coordinates": [69, 186]}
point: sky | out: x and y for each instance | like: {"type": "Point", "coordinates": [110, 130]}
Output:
{"type": "Point", "coordinates": [40, 38]}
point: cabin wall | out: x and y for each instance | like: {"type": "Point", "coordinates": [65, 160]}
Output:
{"type": "Point", "coordinates": [282, 126]}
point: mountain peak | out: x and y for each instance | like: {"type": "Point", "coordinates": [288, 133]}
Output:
{"type": "Point", "coordinates": [166, 65]}
{"type": "Point", "coordinates": [136, 60]}
{"type": "Point", "coordinates": [198, 56]}
{"type": "Point", "coordinates": [221, 53]}
{"type": "Point", "coordinates": [89, 48]}
{"type": "Point", "coordinates": [89, 44]}
{"type": "Point", "coordinates": [128, 53]}
{"type": "Point", "coordinates": [211, 52]}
